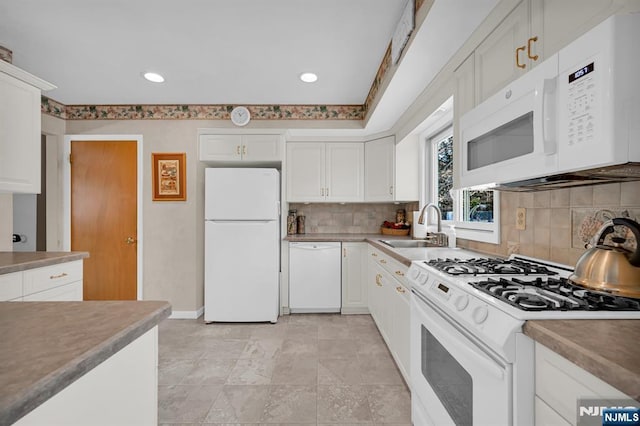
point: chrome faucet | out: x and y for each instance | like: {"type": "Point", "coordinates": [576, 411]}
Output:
{"type": "Point", "coordinates": [422, 215]}
{"type": "Point", "coordinates": [437, 238]}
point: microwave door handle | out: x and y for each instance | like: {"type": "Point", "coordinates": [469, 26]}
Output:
{"type": "Point", "coordinates": [549, 116]}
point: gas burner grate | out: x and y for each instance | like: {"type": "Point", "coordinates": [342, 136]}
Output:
{"type": "Point", "coordinates": [488, 266]}
{"type": "Point", "coordinates": [553, 294]}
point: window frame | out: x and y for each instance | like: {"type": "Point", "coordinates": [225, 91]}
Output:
{"type": "Point", "coordinates": [487, 232]}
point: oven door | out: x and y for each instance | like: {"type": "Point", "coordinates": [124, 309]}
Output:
{"type": "Point", "coordinates": [455, 381]}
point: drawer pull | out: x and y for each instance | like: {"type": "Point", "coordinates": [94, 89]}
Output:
{"type": "Point", "coordinates": [400, 273]}
{"type": "Point", "coordinates": [400, 289]}
{"type": "Point", "coordinates": [383, 261]}
{"type": "Point", "coordinates": [378, 280]}
{"type": "Point", "coordinates": [374, 255]}
{"type": "Point", "coordinates": [62, 275]}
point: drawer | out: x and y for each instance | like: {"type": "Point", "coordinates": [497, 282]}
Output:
{"type": "Point", "coordinates": [10, 286]}
{"type": "Point", "coordinates": [560, 383]}
{"type": "Point", "coordinates": [71, 292]}
{"type": "Point", "coordinates": [395, 268]}
{"type": "Point", "coordinates": [48, 277]}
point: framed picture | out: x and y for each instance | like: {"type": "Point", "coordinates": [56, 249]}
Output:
{"type": "Point", "coordinates": [168, 180]}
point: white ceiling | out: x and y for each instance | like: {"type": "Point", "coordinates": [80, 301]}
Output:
{"type": "Point", "coordinates": [230, 51]}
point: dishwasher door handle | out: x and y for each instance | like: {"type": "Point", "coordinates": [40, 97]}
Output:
{"type": "Point", "coordinates": [313, 247]}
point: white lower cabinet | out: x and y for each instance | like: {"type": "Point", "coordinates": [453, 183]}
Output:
{"type": "Point", "coordinates": [59, 282]}
{"type": "Point", "coordinates": [389, 305]}
{"type": "Point", "coordinates": [123, 390]}
{"type": "Point", "coordinates": [560, 384]}
{"type": "Point", "coordinates": [354, 273]}
{"type": "Point", "coordinates": [11, 286]}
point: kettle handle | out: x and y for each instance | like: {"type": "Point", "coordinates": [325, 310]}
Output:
{"type": "Point", "coordinates": [634, 259]}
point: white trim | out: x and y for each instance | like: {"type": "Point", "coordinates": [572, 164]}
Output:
{"type": "Point", "coordinates": [66, 194]}
{"type": "Point", "coordinates": [187, 314]}
{"type": "Point", "coordinates": [24, 76]}
{"type": "Point", "coordinates": [476, 231]}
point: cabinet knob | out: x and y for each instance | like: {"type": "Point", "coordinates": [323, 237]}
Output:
{"type": "Point", "coordinates": [400, 273]}
{"type": "Point", "coordinates": [399, 289]}
{"type": "Point", "coordinates": [383, 261]}
{"type": "Point", "coordinates": [518, 50]}
{"type": "Point", "coordinates": [130, 240]}
{"type": "Point", "coordinates": [238, 149]}
{"type": "Point", "coordinates": [529, 43]}
{"type": "Point", "coordinates": [374, 254]}
{"type": "Point", "coordinates": [244, 150]}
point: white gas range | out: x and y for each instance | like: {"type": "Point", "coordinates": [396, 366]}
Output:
{"type": "Point", "coordinates": [470, 361]}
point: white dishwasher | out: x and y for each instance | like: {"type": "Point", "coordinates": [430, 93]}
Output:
{"type": "Point", "coordinates": [315, 276]}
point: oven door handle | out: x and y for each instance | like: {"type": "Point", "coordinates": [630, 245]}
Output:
{"type": "Point", "coordinates": [473, 352]}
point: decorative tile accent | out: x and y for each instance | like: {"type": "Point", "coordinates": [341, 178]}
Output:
{"type": "Point", "coordinates": [587, 222]}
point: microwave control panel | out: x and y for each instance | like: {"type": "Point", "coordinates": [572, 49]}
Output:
{"type": "Point", "coordinates": [580, 105]}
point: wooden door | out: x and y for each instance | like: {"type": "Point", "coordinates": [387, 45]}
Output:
{"type": "Point", "coordinates": [104, 216]}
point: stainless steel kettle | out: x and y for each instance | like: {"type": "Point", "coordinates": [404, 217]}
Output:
{"type": "Point", "coordinates": [611, 268]}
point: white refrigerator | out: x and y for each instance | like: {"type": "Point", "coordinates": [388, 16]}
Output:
{"type": "Point", "coordinates": [241, 245]}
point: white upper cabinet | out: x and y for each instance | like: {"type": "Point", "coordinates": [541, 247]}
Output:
{"type": "Point", "coordinates": [20, 130]}
{"type": "Point", "coordinates": [379, 169]}
{"type": "Point", "coordinates": [564, 21]}
{"type": "Point", "coordinates": [511, 50]}
{"type": "Point", "coordinates": [233, 148]}
{"type": "Point", "coordinates": [325, 172]}
{"type": "Point", "coordinates": [391, 170]}
{"type": "Point", "coordinates": [344, 172]}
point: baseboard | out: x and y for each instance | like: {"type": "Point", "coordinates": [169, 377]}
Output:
{"type": "Point", "coordinates": [354, 311]}
{"type": "Point", "coordinates": [187, 314]}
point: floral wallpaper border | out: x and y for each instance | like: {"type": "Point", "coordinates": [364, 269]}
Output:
{"type": "Point", "coordinates": [199, 112]}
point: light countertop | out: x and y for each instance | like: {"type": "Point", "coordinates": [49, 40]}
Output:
{"type": "Point", "coordinates": [46, 346]}
{"type": "Point", "coordinates": [15, 261]}
{"type": "Point", "coordinates": [608, 349]}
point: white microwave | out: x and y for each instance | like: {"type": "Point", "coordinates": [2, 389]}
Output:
{"type": "Point", "coordinates": [574, 119]}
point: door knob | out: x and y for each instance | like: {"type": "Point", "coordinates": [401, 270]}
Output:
{"type": "Point", "coordinates": [130, 240]}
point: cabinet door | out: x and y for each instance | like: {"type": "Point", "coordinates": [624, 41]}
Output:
{"type": "Point", "coordinates": [401, 328]}
{"type": "Point", "coordinates": [10, 286]}
{"type": "Point", "coordinates": [344, 172]}
{"type": "Point", "coordinates": [496, 56]}
{"type": "Point", "coordinates": [19, 136]}
{"type": "Point", "coordinates": [463, 102]}
{"type": "Point", "coordinates": [566, 20]}
{"type": "Point", "coordinates": [379, 159]}
{"type": "Point", "coordinates": [66, 293]}
{"type": "Point", "coordinates": [354, 275]}
{"type": "Point", "coordinates": [305, 171]}
{"type": "Point", "coordinates": [261, 148]}
{"type": "Point", "coordinates": [220, 147]}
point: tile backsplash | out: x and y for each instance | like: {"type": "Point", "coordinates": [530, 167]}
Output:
{"type": "Point", "coordinates": [353, 218]}
{"type": "Point", "coordinates": [559, 221]}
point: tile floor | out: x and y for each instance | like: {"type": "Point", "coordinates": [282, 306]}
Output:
{"type": "Point", "coordinates": [318, 369]}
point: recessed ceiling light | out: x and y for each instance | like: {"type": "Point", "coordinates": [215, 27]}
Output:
{"type": "Point", "coordinates": [153, 77]}
{"type": "Point", "coordinates": [308, 77]}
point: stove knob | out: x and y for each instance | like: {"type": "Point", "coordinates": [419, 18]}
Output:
{"type": "Point", "coordinates": [422, 278]}
{"type": "Point", "coordinates": [461, 302]}
{"type": "Point", "coordinates": [413, 273]}
{"type": "Point", "coordinates": [480, 314]}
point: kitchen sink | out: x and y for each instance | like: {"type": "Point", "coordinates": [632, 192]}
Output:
{"type": "Point", "coordinates": [407, 243]}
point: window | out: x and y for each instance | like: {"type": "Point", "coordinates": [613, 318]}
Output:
{"type": "Point", "coordinates": [472, 212]}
